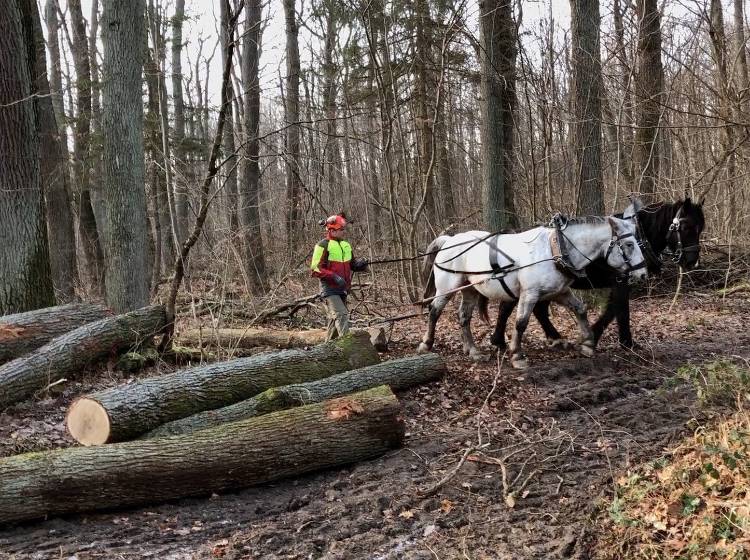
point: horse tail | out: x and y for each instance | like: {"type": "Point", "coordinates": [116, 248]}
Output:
{"type": "Point", "coordinates": [427, 265]}
{"type": "Point", "coordinates": [482, 303]}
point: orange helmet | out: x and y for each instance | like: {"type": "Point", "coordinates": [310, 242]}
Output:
{"type": "Point", "coordinates": [336, 222]}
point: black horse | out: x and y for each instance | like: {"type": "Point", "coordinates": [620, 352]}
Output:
{"type": "Point", "coordinates": [675, 226]}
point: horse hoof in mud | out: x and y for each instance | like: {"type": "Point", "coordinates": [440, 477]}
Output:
{"type": "Point", "coordinates": [559, 343]}
{"type": "Point", "coordinates": [423, 348]}
{"type": "Point", "coordinates": [587, 349]}
{"type": "Point", "coordinates": [519, 361]}
{"type": "Point", "coordinates": [477, 355]}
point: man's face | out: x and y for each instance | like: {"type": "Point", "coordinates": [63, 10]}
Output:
{"type": "Point", "coordinates": [338, 233]}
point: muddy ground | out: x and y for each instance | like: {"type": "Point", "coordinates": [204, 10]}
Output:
{"type": "Point", "coordinates": [539, 449]}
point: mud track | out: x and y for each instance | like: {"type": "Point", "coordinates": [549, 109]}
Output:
{"type": "Point", "coordinates": [543, 446]}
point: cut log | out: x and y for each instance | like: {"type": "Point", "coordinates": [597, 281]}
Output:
{"type": "Point", "coordinates": [250, 338]}
{"type": "Point", "coordinates": [69, 353]}
{"type": "Point", "coordinates": [398, 374]}
{"type": "Point", "coordinates": [235, 455]}
{"type": "Point", "coordinates": [23, 332]}
{"type": "Point", "coordinates": [125, 412]}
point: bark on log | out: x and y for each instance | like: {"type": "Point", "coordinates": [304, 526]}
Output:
{"type": "Point", "coordinates": [128, 411]}
{"type": "Point", "coordinates": [398, 374]}
{"type": "Point", "coordinates": [235, 455]}
{"type": "Point", "coordinates": [69, 353]}
{"type": "Point", "coordinates": [23, 332]}
{"type": "Point", "coordinates": [250, 338]}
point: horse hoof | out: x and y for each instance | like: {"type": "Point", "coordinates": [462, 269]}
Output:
{"type": "Point", "coordinates": [519, 363]}
{"type": "Point", "coordinates": [423, 348]}
{"type": "Point", "coordinates": [478, 356]}
{"type": "Point", "coordinates": [560, 343]}
{"type": "Point", "coordinates": [587, 350]}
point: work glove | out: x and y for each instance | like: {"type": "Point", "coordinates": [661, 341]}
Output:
{"type": "Point", "coordinates": [359, 264]}
{"type": "Point", "coordinates": [339, 281]}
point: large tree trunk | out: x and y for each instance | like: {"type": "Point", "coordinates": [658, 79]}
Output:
{"type": "Point", "coordinates": [24, 332]}
{"type": "Point", "coordinates": [398, 374]}
{"type": "Point", "coordinates": [67, 354]}
{"type": "Point", "coordinates": [250, 338]}
{"type": "Point", "coordinates": [180, 194]}
{"type": "Point", "coordinates": [254, 451]}
{"type": "Point", "coordinates": [650, 96]}
{"type": "Point", "coordinates": [127, 280]}
{"type": "Point", "coordinates": [291, 118]}
{"type": "Point", "coordinates": [587, 105]}
{"type": "Point", "coordinates": [87, 223]}
{"type": "Point", "coordinates": [498, 60]}
{"type": "Point", "coordinates": [228, 175]}
{"type": "Point", "coordinates": [60, 233]}
{"type": "Point", "coordinates": [25, 277]}
{"type": "Point", "coordinates": [128, 411]}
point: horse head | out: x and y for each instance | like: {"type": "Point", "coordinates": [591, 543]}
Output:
{"type": "Point", "coordinates": [685, 231]}
{"type": "Point", "coordinates": [624, 253]}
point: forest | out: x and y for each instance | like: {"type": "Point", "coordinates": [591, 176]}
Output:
{"type": "Point", "coordinates": [228, 230]}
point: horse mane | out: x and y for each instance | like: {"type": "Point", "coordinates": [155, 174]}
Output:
{"type": "Point", "coordinates": [587, 220]}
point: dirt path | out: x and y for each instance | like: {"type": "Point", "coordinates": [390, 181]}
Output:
{"type": "Point", "coordinates": [545, 445]}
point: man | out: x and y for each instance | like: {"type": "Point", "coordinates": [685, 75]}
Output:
{"type": "Point", "coordinates": [332, 262]}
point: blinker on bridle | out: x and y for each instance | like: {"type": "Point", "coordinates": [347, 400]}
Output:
{"type": "Point", "coordinates": [674, 229]}
{"type": "Point", "coordinates": [616, 241]}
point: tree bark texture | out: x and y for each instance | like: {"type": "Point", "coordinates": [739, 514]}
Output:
{"type": "Point", "coordinates": [291, 118]}
{"type": "Point", "coordinates": [69, 353]}
{"type": "Point", "coordinates": [498, 61]}
{"type": "Point", "coordinates": [587, 105]}
{"type": "Point", "coordinates": [253, 258]}
{"type": "Point", "coordinates": [258, 450]}
{"type": "Point", "coordinates": [250, 338]}
{"type": "Point", "coordinates": [23, 332]}
{"type": "Point", "coordinates": [397, 374]}
{"type": "Point", "coordinates": [127, 279]}
{"type": "Point", "coordinates": [180, 193]}
{"type": "Point", "coordinates": [228, 176]}
{"type": "Point", "coordinates": [125, 412]}
{"type": "Point", "coordinates": [25, 276]}
{"type": "Point", "coordinates": [650, 96]}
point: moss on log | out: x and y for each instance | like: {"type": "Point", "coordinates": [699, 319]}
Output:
{"type": "Point", "coordinates": [67, 354]}
{"type": "Point", "coordinates": [23, 332]}
{"type": "Point", "coordinates": [398, 374]}
{"type": "Point", "coordinates": [125, 412]}
{"type": "Point", "coordinates": [235, 455]}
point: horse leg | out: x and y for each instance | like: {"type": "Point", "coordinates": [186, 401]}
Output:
{"type": "Point", "coordinates": [609, 313]}
{"type": "Point", "coordinates": [525, 305]}
{"type": "Point", "coordinates": [622, 308]}
{"type": "Point", "coordinates": [579, 309]}
{"type": "Point", "coordinates": [468, 303]}
{"type": "Point", "coordinates": [498, 336]}
{"type": "Point", "coordinates": [436, 309]}
{"type": "Point", "coordinates": [554, 339]}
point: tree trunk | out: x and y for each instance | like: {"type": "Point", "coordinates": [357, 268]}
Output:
{"type": "Point", "coordinates": [25, 277]}
{"type": "Point", "coordinates": [128, 411]}
{"type": "Point", "coordinates": [253, 258]}
{"type": "Point", "coordinates": [228, 177]}
{"type": "Point", "coordinates": [650, 96]}
{"type": "Point", "coordinates": [87, 224]}
{"type": "Point", "coordinates": [742, 78]}
{"type": "Point", "coordinates": [69, 353]}
{"type": "Point", "coordinates": [498, 60]}
{"type": "Point", "coordinates": [587, 96]}
{"type": "Point", "coordinates": [55, 79]}
{"type": "Point", "coordinates": [24, 332]}
{"type": "Point", "coordinates": [291, 118]}
{"type": "Point", "coordinates": [180, 194]}
{"type": "Point", "coordinates": [423, 124]}
{"type": "Point", "coordinates": [254, 451]}
{"type": "Point", "coordinates": [127, 281]}
{"type": "Point", "coordinates": [397, 374]}
{"type": "Point", "coordinates": [251, 338]}
{"type": "Point", "coordinates": [60, 232]}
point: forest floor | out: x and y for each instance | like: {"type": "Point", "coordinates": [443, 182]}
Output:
{"type": "Point", "coordinates": [537, 451]}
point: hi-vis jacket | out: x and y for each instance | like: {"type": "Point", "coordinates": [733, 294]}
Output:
{"type": "Point", "coordinates": [332, 258]}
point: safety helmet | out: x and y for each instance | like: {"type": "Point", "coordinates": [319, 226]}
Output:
{"type": "Point", "coordinates": [336, 222]}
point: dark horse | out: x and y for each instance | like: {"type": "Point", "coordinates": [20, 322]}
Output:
{"type": "Point", "coordinates": [675, 226]}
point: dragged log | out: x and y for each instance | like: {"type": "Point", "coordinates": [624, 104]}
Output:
{"type": "Point", "coordinates": [398, 374]}
{"type": "Point", "coordinates": [250, 338]}
{"type": "Point", "coordinates": [67, 354]}
{"type": "Point", "coordinates": [125, 412]}
{"type": "Point", "coordinates": [235, 455]}
{"type": "Point", "coordinates": [23, 332]}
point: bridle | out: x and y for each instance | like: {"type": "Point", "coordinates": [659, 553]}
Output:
{"type": "Point", "coordinates": [616, 241]}
{"type": "Point", "coordinates": [674, 230]}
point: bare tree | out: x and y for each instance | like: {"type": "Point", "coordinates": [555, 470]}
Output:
{"type": "Point", "coordinates": [291, 117]}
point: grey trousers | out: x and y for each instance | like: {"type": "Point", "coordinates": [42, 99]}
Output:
{"type": "Point", "coordinates": [338, 317]}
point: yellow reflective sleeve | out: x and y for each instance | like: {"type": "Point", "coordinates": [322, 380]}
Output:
{"type": "Point", "coordinates": [317, 256]}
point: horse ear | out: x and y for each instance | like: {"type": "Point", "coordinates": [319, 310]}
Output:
{"type": "Point", "coordinates": [614, 224]}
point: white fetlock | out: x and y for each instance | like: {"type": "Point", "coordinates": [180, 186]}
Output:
{"type": "Point", "coordinates": [423, 348]}
{"type": "Point", "coordinates": [477, 355]}
{"type": "Point", "coordinates": [560, 343]}
{"type": "Point", "coordinates": [587, 349]}
{"type": "Point", "coordinates": [519, 361]}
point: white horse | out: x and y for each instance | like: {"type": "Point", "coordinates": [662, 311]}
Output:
{"type": "Point", "coordinates": [470, 263]}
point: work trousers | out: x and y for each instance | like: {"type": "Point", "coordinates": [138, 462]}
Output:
{"type": "Point", "coordinates": [338, 317]}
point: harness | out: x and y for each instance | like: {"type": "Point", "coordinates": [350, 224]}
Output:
{"type": "Point", "coordinates": [674, 229]}
{"type": "Point", "coordinates": [559, 247]}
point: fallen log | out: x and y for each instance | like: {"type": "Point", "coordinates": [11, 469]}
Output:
{"type": "Point", "coordinates": [69, 353]}
{"type": "Point", "coordinates": [398, 374]}
{"type": "Point", "coordinates": [23, 332]}
{"type": "Point", "coordinates": [125, 412]}
{"type": "Point", "coordinates": [235, 455]}
{"type": "Point", "coordinates": [250, 338]}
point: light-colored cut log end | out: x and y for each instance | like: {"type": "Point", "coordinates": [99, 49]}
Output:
{"type": "Point", "coordinates": [88, 422]}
